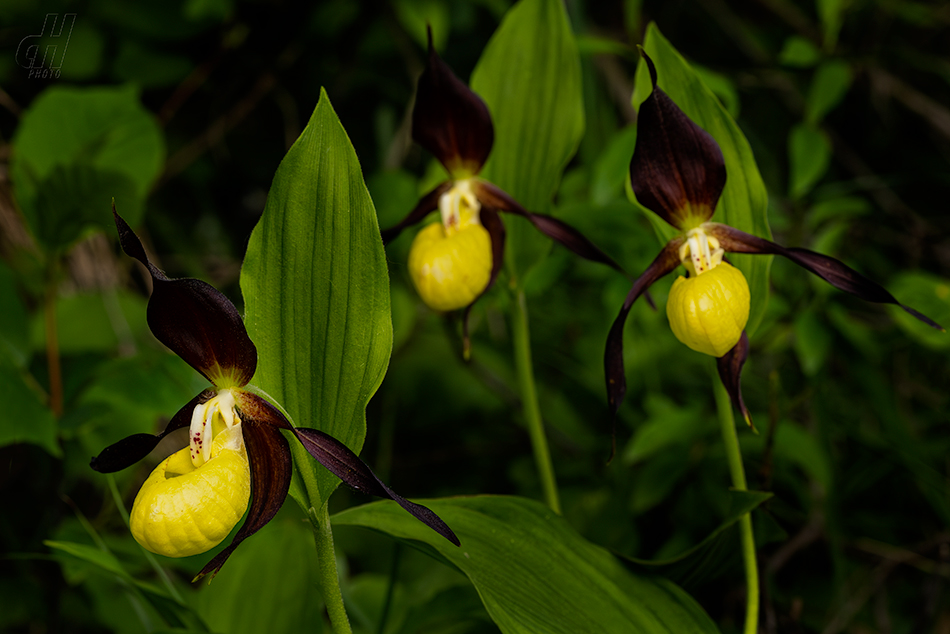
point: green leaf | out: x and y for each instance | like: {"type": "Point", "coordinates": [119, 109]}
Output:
{"type": "Point", "coordinates": [809, 154]}
{"type": "Point", "coordinates": [25, 418]}
{"type": "Point", "coordinates": [812, 342]}
{"type": "Point", "coordinates": [794, 444]}
{"type": "Point", "coordinates": [831, 13]}
{"type": "Point", "coordinates": [85, 144]}
{"type": "Point", "coordinates": [930, 294]}
{"type": "Point", "coordinates": [694, 561]}
{"type": "Point", "coordinates": [530, 77]}
{"type": "Point", "coordinates": [316, 291]}
{"type": "Point", "coordinates": [799, 52]}
{"type": "Point", "coordinates": [828, 87]}
{"type": "Point", "coordinates": [269, 584]}
{"type": "Point", "coordinates": [534, 573]}
{"type": "Point", "coordinates": [744, 202]}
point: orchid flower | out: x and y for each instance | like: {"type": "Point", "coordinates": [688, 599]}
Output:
{"type": "Point", "coordinates": [237, 454]}
{"type": "Point", "coordinates": [454, 262]}
{"type": "Point", "coordinates": [678, 172]}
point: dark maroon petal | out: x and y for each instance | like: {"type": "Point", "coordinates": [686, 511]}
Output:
{"type": "Point", "coordinates": [337, 458]}
{"type": "Point", "coordinates": [494, 197]}
{"type": "Point", "coordinates": [666, 261]}
{"type": "Point", "coordinates": [271, 470]}
{"type": "Point", "coordinates": [428, 204]}
{"type": "Point", "coordinates": [347, 466]}
{"type": "Point", "coordinates": [450, 120]}
{"type": "Point", "coordinates": [496, 231]}
{"type": "Point", "coordinates": [677, 169]}
{"type": "Point", "coordinates": [833, 271]}
{"type": "Point", "coordinates": [730, 370]}
{"type": "Point", "coordinates": [131, 449]}
{"type": "Point", "coordinates": [195, 320]}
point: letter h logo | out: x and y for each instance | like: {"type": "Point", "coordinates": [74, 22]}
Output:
{"type": "Point", "coordinates": [31, 59]}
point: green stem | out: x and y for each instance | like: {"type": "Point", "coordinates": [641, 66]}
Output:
{"type": "Point", "coordinates": [328, 578]}
{"type": "Point", "coordinates": [529, 402]}
{"type": "Point", "coordinates": [734, 458]}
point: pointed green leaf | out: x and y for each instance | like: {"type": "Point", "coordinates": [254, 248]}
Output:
{"type": "Point", "coordinates": [534, 573]}
{"type": "Point", "coordinates": [530, 77]}
{"type": "Point", "coordinates": [316, 290]}
{"type": "Point", "coordinates": [702, 560]}
{"type": "Point", "coordinates": [828, 87]}
{"type": "Point", "coordinates": [809, 154]}
{"type": "Point", "coordinates": [744, 200]}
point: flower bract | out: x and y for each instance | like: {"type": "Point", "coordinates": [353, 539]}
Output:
{"type": "Point", "coordinates": [238, 458]}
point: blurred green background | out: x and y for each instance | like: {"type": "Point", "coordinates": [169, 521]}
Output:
{"type": "Point", "coordinates": [181, 111]}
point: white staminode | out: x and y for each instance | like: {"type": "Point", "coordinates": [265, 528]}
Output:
{"type": "Point", "coordinates": [202, 424]}
{"type": "Point", "coordinates": [451, 201]}
{"type": "Point", "coordinates": [700, 253]}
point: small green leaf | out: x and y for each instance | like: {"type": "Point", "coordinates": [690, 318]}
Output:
{"type": "Point", "coordinates": [534, 573]}
{"type": "Point", "coordinates": [812, 342]}
{"type": "Point", "coordinates": [316, 291]}
{"type": "Point", "coordinates": [828, 87]}
{"type": "Point", "coordinates": [85, 143]}
{"type": "Point", "coordinates": [930, 294]}
{"type": "Point", "coordinates": [831, 13]}
{"type": "Point", "coordinates": [744, 202]}
{"type": "Point", "coordinates": [809, 154]}
{"type": "Point", "coordinates": [530, 77]}
{"type": "Point", "coordinates": [90, 322]}
{"type": "Point", "coordinates": [799, 52]}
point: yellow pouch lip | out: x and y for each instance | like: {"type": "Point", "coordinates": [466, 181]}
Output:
{"type": "Point", "coordinates": [708, 312]}
{"type": "Point", "coordinates": [181, 514]}
{"type": "Point", "coordinates": [451, 268]}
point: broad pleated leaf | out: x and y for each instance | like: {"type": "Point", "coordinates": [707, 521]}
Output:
{"type": "Point", "coordinates": [744, 200]}
{"type": "Point", "coordinates": [530, 77]}
{"type": "Point", "coordinates": [316, 291]}
{"type": "Point", "coordinates": [534, 573]}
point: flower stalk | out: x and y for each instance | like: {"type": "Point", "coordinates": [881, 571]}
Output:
{"type": "Point", "coordinates": [521, 338]}
{"type": "Point", "coordinates": [328, 577]}
{"type": "Point", "coordinates": [730, 440]}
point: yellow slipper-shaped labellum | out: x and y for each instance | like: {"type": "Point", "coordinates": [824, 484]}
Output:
{"type": "Point", "coordinates": [451, 267]}
{"type": "Point", "coordinates": [182, 510]}
{"type": "Point", "coordinates": [708, 312]}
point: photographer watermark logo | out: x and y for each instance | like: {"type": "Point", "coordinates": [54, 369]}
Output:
{"type": "Point", "coordinates": [54, 38]}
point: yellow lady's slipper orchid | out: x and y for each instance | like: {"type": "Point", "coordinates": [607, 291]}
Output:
{"type": "Point", "coordinates": [450, 261]}
{"type": "Point", "coordinates": [453, 263]}
{"type": "Point", "coordinates": [678, 172]}
{"type": "Point", "coordinates": [193, 499]}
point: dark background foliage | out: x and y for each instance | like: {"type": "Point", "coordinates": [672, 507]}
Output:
{"type": "Point", "coordinates": [845, 107]}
